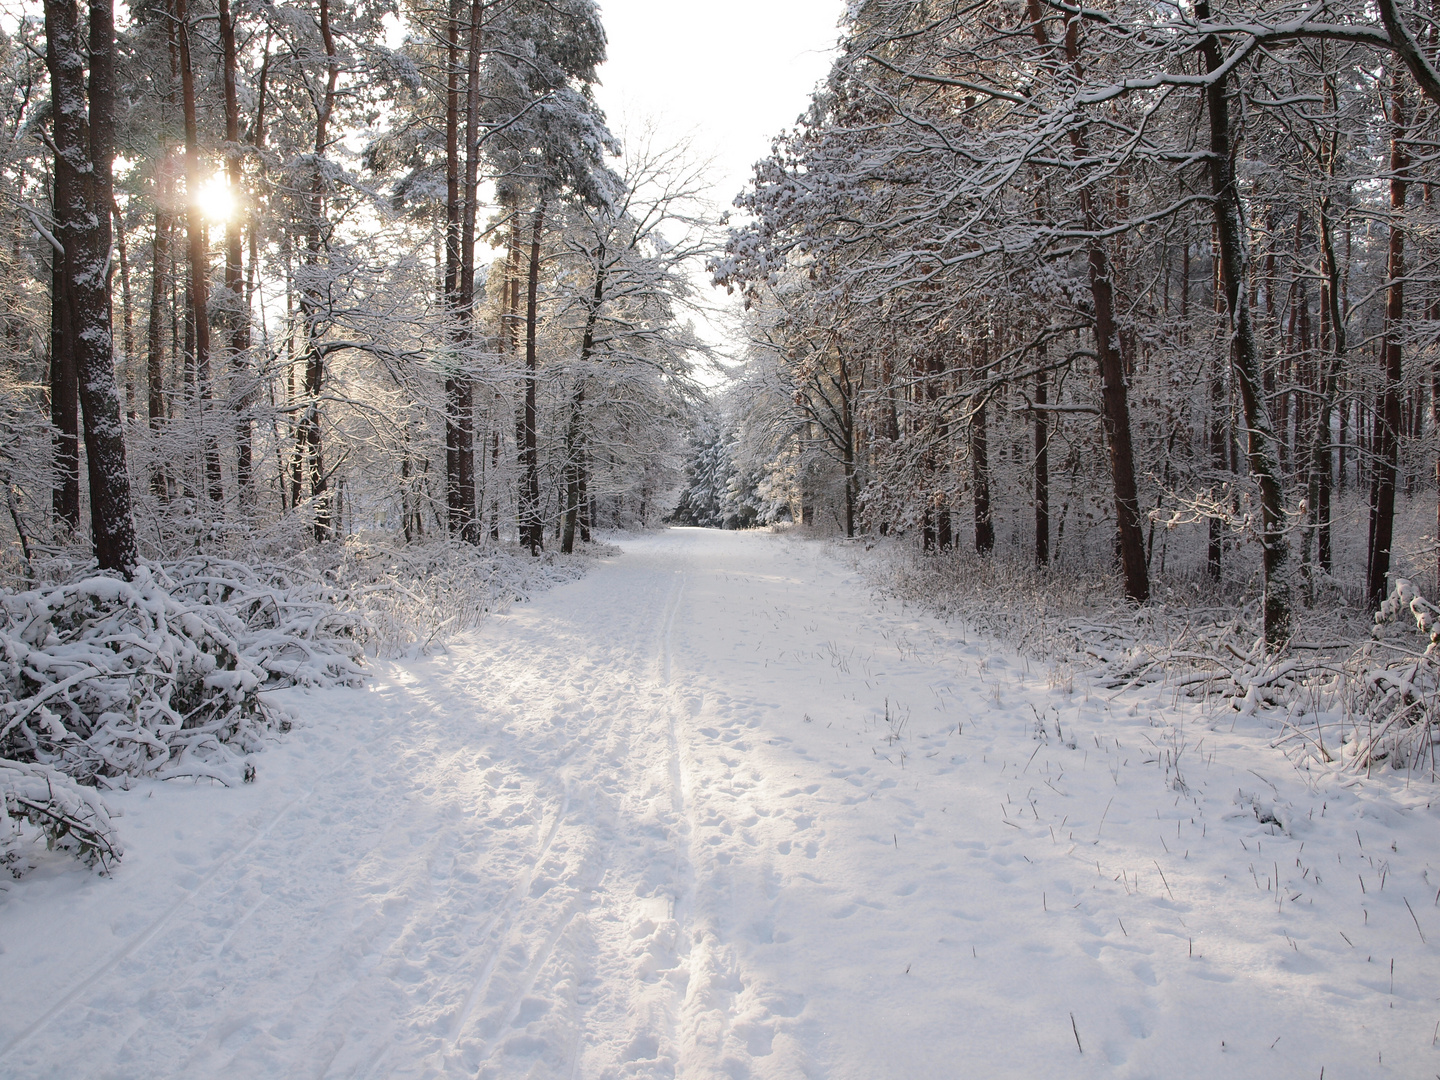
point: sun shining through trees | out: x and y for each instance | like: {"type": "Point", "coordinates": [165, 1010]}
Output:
{"type": "Point", "coordinates": [254, 311]}
{"type": "Point", "coordinates": [216, 199]}
{"type": "Point", "coordinates": [331, 347]}
{"type": "Point", "coordinates": [1102, 340]}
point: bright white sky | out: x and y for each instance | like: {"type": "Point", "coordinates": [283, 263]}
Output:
{"type": "Point", "coordinates": [728, 74]}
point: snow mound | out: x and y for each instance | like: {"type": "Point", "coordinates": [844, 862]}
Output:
{"type": "Point", "coordinates": [102, 679]}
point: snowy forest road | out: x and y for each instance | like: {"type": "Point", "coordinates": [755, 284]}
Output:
{"type": "Point", "coordinates": [714, 811]}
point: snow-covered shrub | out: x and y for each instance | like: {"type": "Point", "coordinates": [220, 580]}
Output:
{"type": "Point", "coordinates": [103, 679]}
{"type": "Point", "coordinates": [1343, 697]}
{"type": "Point", "coordinates": [1050, 613]}
{"type": "Point", "coordinates": [1398, 682]}
{"type": "Point", "coordinates": [422, 593]}
{"type": "Point", "coordinates": [297, 626]}
{"type": "Point", "coordinates": [40, 804]}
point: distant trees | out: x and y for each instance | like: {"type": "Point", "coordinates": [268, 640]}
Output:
{"type": "Point", "coordinates": [627, 284]}
{"type": "Point", "coordinates": [988, 201]}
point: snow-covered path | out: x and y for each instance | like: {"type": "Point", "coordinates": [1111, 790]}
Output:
{"type": "Point", "coordinates": [713, 812]}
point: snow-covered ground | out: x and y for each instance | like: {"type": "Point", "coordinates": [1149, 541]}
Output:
{"type": "Point", "coordinates": [713, 812]}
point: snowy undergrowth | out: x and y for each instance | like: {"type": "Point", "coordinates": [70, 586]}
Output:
{"type": "Point", "coordinates": [1348, 693]}
{"type": "Point", "coordinates": [163, 677]}
{"type": "Point", "coordinates": [103, 680]}
{"type": "Point", "coordinates": [42, 806]}
{"type": "Point", "coordinates": [412, 597]}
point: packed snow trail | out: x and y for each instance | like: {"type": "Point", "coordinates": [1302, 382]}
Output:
{"type": "Point", "coordinates": [715, 812]}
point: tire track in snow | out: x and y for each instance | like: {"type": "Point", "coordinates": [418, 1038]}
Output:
{"type": "Point", "coordinates": [532, 974]}
{"type": "Point", "coordinates": [703, 967]}
{"type": "Point", "coordinates": [595, 722]}
{"type": "Point", "coordinates": [144, 937]}
{"type": "Point", "coordinates": [667, 629]}
{"type": "Point", "coordinates": [513, 905]}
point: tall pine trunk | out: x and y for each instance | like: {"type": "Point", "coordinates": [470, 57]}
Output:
{"type": "Point", "coordinates": [1042, 462]}
{"type": "Point", "coordinates": [1332, 363]}
{"type": "Point", "coordinates": [1388, 451]}
{"type": "Point", "coordinates": [85, 147]}
{"type": "Point", "coordinates": [64, 389]}
{"type": "Point", "coordinates": [309, 441]}
{"type": "Point", "coordinates": [128, 324]}
{"type": "Point", "coordinates": [155, 336]}
{"type": "Point", "coordinates": [463, 402]}
{"type": "Point", "coordinates": [532, 528]}
{"type": "Point", "coordinates": [574, 488]}
{"type": "Point", "coordinates": [1115, 412]}
{"type": "Point", "coordinates": [1217, 420]}
{"type": "Point", "coordinates": [454, 214]}
{"type": "Point", "coordinates": [197, 244]}
{"type": "Point", "coordinates": [1262, 450]}
{"type": "Point", "coordinates": [980, 459]}
{"type": "Point", "coordinates": [237, 311]}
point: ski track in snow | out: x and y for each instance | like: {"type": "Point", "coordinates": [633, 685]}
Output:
{"type": "Point", "coordinates": [714, 812]}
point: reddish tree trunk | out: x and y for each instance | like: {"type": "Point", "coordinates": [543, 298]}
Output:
{"type": "Point", "coordinates": [199, 286]}
{"type": "Point", "coordinates": [237, 311]}
{"type": "Point", "coordinates": [532, 529]}
{"type": "Point", "coordinates": [64, 389]}
{"type": "Point", "coordinates": [1388, 450]}
{"type": "Point", "coordinates": [1042, 464]}
{"type": "Point", "coordinates": [1114, 392]}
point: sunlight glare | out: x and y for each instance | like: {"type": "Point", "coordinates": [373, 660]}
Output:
{"type": "Point", "coordinates": [215, 200]}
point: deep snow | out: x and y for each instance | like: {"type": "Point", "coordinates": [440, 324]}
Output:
{"type": "Point", "coordinates": [713, 811]}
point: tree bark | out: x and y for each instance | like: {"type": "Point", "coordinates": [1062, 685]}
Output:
{"type": "Point", "coordinates": [1435, 425]}
{"type": "Point", "coordinates": [86, 145]}
{"type": "Point", "coordinates": [453, 217]}
{"type": "Point", "coordinates": [312, 296]}
{"type": "Point", "coordinates": [463, 402]}
{"type": "Point", "coordinates": [64, 389]}
{"type": "Point", "coordinates": [127, 315]}
{"type": "Point", "coordinates": [1217, 420]}
{"type": "Point", "coordinates": [1115, 414]}
{"type": "Point", "coordinates": [199, 286]}
{"type": "Point", "coordinates": [1261, 449]}
{"type": "Point", "coordinates": [155, 331]}
{"type": "Point", "coordinates": [574, 441]}
{"type": "Point", "coordinates": [237, 311]}
{"type": "Point", "coordinates": [1333, 362]}
{"type": "Point", "coordinates": [532, 529]}
{"type": "Point", "coordinates": [1389, 414]}
{"type": "Point", "coordinates": [980, 465]}
{"type": "Point", "coordinates": [847, 393]}
{"type": "Point", "coordinates": [1042, 464]}
{"type": "Point", "coordinates": [62, 40]}
{"type": "Point", "coordinates": [587, 501]}
{"type": "Point", "coordinates": [574, 465]}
